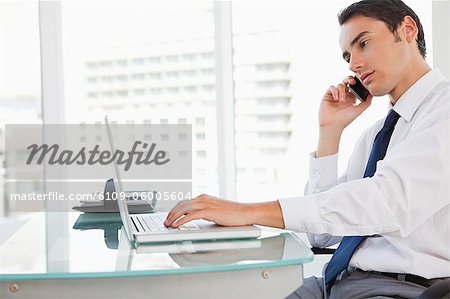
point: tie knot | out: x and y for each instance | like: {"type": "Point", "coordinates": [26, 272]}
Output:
{"type": "Point", "coordinates": [391, 119]}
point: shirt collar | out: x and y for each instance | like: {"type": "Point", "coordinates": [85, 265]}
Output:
{"type": "Point", "coordinates": [410, 101]}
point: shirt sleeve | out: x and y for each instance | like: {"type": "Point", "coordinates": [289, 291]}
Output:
{"type": "Point", "coordinates": [409, 187]}
{"type": "Point", "coordinates": [323, 175]}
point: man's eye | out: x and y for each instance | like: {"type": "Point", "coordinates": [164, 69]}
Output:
{"type": "Point", "coordinates": [363, 43]}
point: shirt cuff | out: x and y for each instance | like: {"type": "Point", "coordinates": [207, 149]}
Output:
{"type": "Point", "coordinates": [300, 214]}
{"type": "Point", "coordinates": [322, 172]}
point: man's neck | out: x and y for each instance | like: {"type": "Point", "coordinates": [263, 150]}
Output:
{"type": "Point", "coordinates": [415, 72]}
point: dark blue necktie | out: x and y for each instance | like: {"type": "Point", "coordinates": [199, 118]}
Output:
{"type": "Point", "coordinates": [349, 244]}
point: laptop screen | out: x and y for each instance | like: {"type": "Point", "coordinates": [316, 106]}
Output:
{"type": "Point", "coordinates": [121, 201]}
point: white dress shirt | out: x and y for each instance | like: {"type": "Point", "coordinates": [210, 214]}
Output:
{"type": "Point", "coordinates": [405, 204]}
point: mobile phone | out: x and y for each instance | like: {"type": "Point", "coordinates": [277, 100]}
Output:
{"type": "Point", "coordinates": [358, 89]}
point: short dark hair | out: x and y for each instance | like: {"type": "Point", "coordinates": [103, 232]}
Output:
{"type": "Point", "coordinates": [391, 12]}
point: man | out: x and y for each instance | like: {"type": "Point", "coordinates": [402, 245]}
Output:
{"type": "Point", "coordinates": [393, 202]}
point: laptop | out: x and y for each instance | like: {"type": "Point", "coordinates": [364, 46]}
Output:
{"type": "Point", "coordinates": [149, 228]}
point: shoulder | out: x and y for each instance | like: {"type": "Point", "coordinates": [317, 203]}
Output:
{"type": "Point", "coordinates": [437, 107]}
{"type": "Point", "coordinates": [441, 93]}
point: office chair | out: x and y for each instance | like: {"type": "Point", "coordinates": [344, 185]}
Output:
{"type": "Point", "coordinates": [439, 290]}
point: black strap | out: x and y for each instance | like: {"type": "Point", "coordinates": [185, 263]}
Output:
{"type": "Point", "coordinates": [410, 278]}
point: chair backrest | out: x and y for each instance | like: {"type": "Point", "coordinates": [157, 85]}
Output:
{"type": "Point", "coordinates": [438, 290]}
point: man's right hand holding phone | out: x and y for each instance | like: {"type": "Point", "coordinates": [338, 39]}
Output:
{"type": "Point", "coordinates": [339, 107]}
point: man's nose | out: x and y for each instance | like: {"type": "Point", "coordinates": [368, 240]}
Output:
{"type": "Point", "coordinates": [356, 63]}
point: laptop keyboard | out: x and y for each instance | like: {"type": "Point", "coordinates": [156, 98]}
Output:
{"type": "Point", "coordinates": [155, 223]}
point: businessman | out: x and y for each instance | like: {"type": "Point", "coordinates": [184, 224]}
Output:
{"type": "Point", "coordinates": [392, 204]}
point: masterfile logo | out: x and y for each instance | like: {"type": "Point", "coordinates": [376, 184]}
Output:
{"type": "Point", "coordinates": [94, 156]}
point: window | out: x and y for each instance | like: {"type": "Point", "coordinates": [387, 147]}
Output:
{"type": "Point", "coordinates": [122, 62]}
{"type": "Point", "coordinates": [200, 121]}
{"type": "Point", "coordinates": [138, 61]}
{"type": "Point", "coordinates": [154, 76]}
{"type": "Point", "coordinates": [92, 94]}
{"type": "Point", "coordinates": [172, 58]}
{"type": "Point", "coordinates": [139, 92]}
{"type": "Point", "coordinates": [138, 76]}
{"type": "Point", "coordinates": [172, 74]}
{"type": "Point", "coordinates": [146, 63]}
{"type": "Point", "coordinates": [200, 136]}
{"type": "Point", "coordinates": [154, 60]}
{"type": "Point", "coordinates": [201, 154]}
{"type": "Point", "coordinates": [190, 57]}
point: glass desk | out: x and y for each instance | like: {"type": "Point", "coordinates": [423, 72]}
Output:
{"type": "Point", "coordinates": [54, 255]}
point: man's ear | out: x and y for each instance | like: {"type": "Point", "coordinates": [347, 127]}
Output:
{"type": "Point", "coordinates": [410, 29]}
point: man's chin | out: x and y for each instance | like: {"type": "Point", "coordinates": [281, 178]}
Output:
{"type": "Point", "coordinates": [377, 92]}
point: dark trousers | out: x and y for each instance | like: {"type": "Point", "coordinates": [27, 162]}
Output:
{"type": "Point", "coordinates": [358, 284]}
